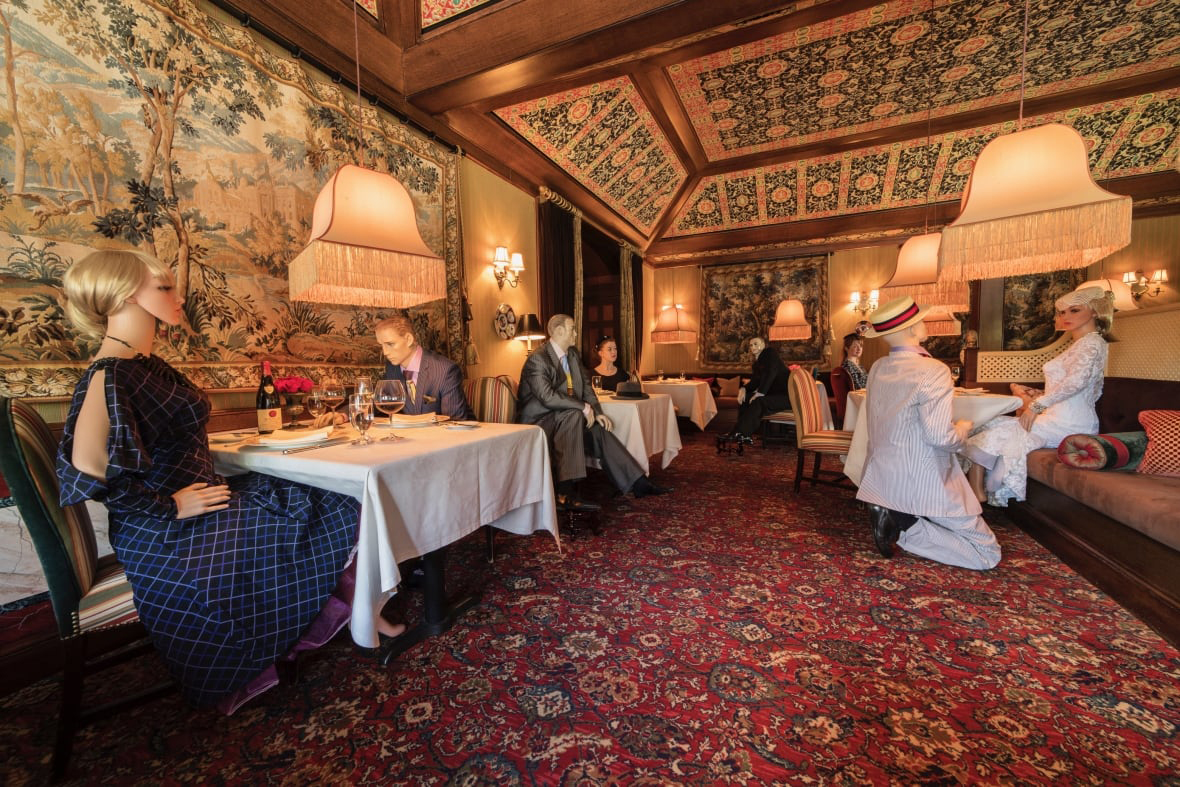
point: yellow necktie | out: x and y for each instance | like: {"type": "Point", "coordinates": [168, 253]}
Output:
{"type": "Point", "coordinates": [569, 380]}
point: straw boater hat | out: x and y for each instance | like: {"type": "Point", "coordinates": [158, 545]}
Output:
{"type": "Point", "coordinates": [895, 315]}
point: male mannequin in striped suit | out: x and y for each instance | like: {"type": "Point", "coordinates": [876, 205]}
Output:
{"type": "Point", "coordinates": [917, 493]}
{"type": "Point", "coordinates": [434, 383]}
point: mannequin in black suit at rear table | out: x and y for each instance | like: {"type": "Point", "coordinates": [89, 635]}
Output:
{"type": "Point", "coordinates": [765, 393]}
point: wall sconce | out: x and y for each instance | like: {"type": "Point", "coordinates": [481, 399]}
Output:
{"type": "Point", "coordinates": [505, 268]}
{"type": "Point", "coordinates": [528, 330]}
{"type": "Point", "coordinates": [858, 303]}
{"type": "Point", "coordinates": [1140, 285]}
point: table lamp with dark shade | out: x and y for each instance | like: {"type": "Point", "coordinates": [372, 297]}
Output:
{"type": "Point", "coordinates": [529, 330]}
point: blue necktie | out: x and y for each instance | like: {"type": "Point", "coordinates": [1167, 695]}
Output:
{"type": "Point", "coordinates": [569, 380]}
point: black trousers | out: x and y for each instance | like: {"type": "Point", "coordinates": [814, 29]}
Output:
{"type": "Point", "coordinates": [751, 413]}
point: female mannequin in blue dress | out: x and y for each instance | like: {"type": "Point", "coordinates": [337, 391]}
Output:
{"type": "Point", "coordinates": [227, 577]}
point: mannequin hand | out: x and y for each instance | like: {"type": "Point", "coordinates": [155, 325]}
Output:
{"type": "Point", "coordinates": [741, 396]}
{"type": "Point", "coordinates": [605, 423]}
{"type": "Point", "coordinates": [1027, 418]}
{"type": "Point", "coordinates": [963, 428]}
{"type": "Point", "coordinates": [200, 498]}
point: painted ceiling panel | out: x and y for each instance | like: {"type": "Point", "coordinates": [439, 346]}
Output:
{"type": "Point", "coordinates": [438, 11]}
{"type": "Point", "coordinates": [604, 136]}
{"type": "Point", "coordinates": [1132, 136]}
{"type": "Point", "coordinates": [886, 65]}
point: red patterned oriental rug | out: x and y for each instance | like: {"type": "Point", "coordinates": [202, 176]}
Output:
{"type": "Point", "coordinates": [728, 633]}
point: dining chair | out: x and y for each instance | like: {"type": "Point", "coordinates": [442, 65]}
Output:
{"type": "Point", "coordinates": [841, 385]}
{"type": "Point", "coordinates": [493, 400]}
{"type": "Point", "coordinates": [96, 618]}
{"type": "Point", "coordinates": [810, 434]}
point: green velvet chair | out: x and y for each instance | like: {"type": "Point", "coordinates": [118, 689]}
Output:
{"type": "Point", "coordinates": [96, 617]}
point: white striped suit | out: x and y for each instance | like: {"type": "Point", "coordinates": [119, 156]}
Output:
{"type": "Point", "coordinates": [910, 464]}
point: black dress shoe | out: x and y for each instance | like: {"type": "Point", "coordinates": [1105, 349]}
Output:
{"type": "Point", "coordinates": [571, 503]}
{"type": "Point", "coordinates": [644, 487]}
{"type": "Point", "coordinates": [885, 529]}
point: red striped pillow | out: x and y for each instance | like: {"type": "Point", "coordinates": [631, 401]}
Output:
{"type": "Point", "coordinates": [1163, 442]}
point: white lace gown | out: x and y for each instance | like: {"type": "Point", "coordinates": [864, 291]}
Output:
{"type": "Point", "coordinates": [1073, 383]}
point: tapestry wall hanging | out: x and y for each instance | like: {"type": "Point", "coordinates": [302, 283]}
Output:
{"type": "Point", "coordinates": [738, 302]}
{"type": "Point", "coordinates": [166, 126]}
{"type": "Point", "coordinates": [1029, 306]}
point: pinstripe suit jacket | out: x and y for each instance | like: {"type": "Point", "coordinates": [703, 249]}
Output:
{"type": "Point", "coordinates": [542, 385]}
{"type": "Point", "coordinates": [910, 464]}
{"type": "Point", "coordinates": [437, 389]}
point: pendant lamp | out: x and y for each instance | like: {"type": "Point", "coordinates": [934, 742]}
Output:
{"type": "Point", "coordinates": [940, 322]}
{"type": "Point", "coordinates": [365, 249]}
{"type": "Point", "coordinates": [673, 327]}
{"type": "Point", "coordinates": [1031, 207]}
{"type": "Point", "coordinates": [916, 275]}
{"type": "Point", "coordinates": [790, 323]}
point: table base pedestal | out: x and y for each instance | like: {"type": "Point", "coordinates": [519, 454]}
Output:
{"type": "Point", "coordinates": [438, 612]}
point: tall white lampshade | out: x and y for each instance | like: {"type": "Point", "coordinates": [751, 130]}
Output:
{"type": "Point", "coordinates": [1122, 292]}
{"type": "Point", "coordinates": [916, 275]}
{"type": "Point", "coordinates": [790, 322]}
{"type": "Point", "coordinates": [365, 249]}
{"type": "Point", "coordinates": [1031, 207]}
{"type": "Point", "coordinates": [673, 327]}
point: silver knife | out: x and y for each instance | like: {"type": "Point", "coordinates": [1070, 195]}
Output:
{"type": "Point", "coordinates": [334, 441]}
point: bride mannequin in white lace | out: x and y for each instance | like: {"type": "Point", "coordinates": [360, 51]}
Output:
{"type": "Point", "coordinates": [1073, 383]}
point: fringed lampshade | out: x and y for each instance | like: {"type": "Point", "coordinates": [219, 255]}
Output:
{"type": "Point", "coordinates": [790, 322]}
{"type": "Point", "coordinates": [365, 249]}
{"type": "Point", "coordinates": [940, 322]}
{"type": "Point", "coordinates": [1031, 207]}
{"type": "Point", "coordinates": [673, 327]}
{"type": "Point", "coordinates": [916, 275]}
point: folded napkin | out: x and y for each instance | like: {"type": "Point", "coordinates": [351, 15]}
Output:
{"type": "Point", "coordinates": [282, 436]}
{"type": "Point", "coordinates": [403, 418]}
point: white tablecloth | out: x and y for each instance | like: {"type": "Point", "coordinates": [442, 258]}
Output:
{"type": "Point", "coordinates": [645, 427]}
{"type": "Point", "coordinates": [693, 398]}
{"type": "Point", "coordinates": [419, 494]}
{"type": "Point", "coordinates": [977, 408]}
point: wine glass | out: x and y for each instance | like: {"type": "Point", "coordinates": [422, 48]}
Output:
{"type": "Point", "coordinates": [295, 406]}
{"type": "Point", "coordinates": [364, 385]}
{"type": "Point", "coordinates": [660, 374]}
{"type": "Point", "coordinates": [596, 382]}
{"type": "Point", "coordinates": [360, 414]}
{"type": "Point", "coordinates": [333, 393]}
{"type": "Point", "coordinates": [316, 406]}
{"type": "Point", "coordinates": [390, 397]}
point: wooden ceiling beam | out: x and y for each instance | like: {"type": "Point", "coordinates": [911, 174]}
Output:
{"type": "Point", "coordinates": [516, 48]}
{"type": "Point", "coordinates": [509, 151]}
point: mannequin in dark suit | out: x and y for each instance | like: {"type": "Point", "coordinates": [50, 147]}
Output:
{"type": "Point", "coordinates": [437, 384]}
{"type": "Point", "coordinates": [765, 393]}
{"type": "Point", "coordinates": [569, 412]}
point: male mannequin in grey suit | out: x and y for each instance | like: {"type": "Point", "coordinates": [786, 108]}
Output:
{"type": "Point", "coordinates": [918, 495]}
{"type": "Point", "coordinates": [564, 405]}
{"type": "Point", "coordinates": [434, 383]}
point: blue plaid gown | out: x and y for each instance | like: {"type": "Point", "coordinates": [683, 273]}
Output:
{"type": "Point", "coordinates": [223, 595]}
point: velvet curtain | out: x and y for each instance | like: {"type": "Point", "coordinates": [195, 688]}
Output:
{"type": "Point", "coordinates": [558, 276]}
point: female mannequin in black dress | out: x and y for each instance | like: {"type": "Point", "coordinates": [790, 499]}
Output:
{"type": "Point", "coordinates": [608, 353]}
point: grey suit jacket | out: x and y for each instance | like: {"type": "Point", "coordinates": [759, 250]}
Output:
{"type": "Point", "coordinates": [542, 385]}
{"type": "Point", "coordinates": [437, 389]}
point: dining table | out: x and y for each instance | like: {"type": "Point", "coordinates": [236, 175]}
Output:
{"type": "Point", "coordinates": [424, 489]}
{"type": "Point", "coordinates": [976, 406]}
{"type": "Point", "coordinates": [693, 399]}
{"type": "Point", "coordinates": [646, 427]}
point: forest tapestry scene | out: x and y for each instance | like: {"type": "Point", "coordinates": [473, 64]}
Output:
{"type": "Point", "coordinates": [740, 301]}
{"type": "Point", "coordinates": [169, 128]}
{"type": "Point", "coordinates": [1029, 306]}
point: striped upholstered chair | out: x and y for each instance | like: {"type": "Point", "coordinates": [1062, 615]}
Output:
{"type": "Point", "coordinates": [810, 434]}
{"type": "Point", "coordinates": [90, 595]}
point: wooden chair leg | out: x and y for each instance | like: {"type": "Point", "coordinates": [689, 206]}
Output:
{"type": "Point", "coordinates": [815, 469]}
{"type": "Point", "coordinates": [73, 672]}
{"type": "Point", "coordinates": [799, 471]}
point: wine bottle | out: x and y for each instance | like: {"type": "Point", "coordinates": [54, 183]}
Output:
{"type": "Point", "coordinates": [267, 404]}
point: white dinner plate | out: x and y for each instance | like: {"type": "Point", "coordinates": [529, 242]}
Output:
{"type": "Point", "coordinates": [382, 423]}
{"type": "Point", "coordinates": [285, 438]}
{"type": "Point", "coordinates": [462, 425]}
{"type": "Point", "coordinates": [231, 437]}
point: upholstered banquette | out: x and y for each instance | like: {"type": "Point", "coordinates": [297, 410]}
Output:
{"type": "Point", "coordinates": [1118, 528]}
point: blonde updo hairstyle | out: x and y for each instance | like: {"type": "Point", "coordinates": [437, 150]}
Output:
{"type": "Point", "coordinates": [99, 283]}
